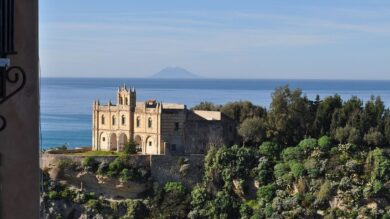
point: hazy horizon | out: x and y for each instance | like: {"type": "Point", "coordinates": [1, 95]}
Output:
{"type": "Point", "coordinates": [338, 40]}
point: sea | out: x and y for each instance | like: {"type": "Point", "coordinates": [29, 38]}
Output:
{"type": "Point", "coordinates": [66, 103]}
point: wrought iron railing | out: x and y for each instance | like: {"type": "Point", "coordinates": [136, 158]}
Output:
{"type": "Point", "coordinates": [12, 79]}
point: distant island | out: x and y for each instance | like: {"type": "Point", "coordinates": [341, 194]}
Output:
{"type": "Point", "coordinates": [175, 72]}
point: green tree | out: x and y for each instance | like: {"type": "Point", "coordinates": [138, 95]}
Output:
{"type": "Point", "coordinates": [374, 138]}
{"type": "Point", "coordinates": [289, 117]}
{"type": "Point", "coordinates": [241, 110]}
{"type": "Point", "coordinates": [208, 106]}
{"type": "Point", "coordinates": [324, 115]}
{"type": "Point", "coordinates": [266, 192]}
{"type": "Point", "coordinates": [325, 143]}
{"type": "Point", "coordinates": [252, 130]}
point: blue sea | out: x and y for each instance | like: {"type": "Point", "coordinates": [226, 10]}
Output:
{"type": "Point", "coordinates": [66, 103]}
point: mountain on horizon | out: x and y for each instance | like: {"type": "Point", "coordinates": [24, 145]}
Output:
{"type": "Point", "coordinates": [175, 72]}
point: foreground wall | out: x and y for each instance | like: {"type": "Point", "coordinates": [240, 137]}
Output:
{"type": "Point", "coordinates": [19, 150]}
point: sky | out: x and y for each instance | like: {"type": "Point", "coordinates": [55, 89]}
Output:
{"type": "Point", "coordinates": [278, 39]}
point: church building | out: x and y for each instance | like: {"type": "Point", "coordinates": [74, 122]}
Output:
{"type": "Point", "coordinates": [157, 127]}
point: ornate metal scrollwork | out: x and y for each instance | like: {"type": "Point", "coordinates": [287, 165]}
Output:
{"type": "Point", "coordinates": [16, 76]}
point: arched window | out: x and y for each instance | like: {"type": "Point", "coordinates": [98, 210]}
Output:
{"type": "Point", "coordinates": [103, 120]}
{"type": "Point", "coordinates": [127, 101]}
{"type": "Point", "coordinates": [123, 120]}
{"type": "Point", "coordinates": [138, 122]}
{"type": "Point", "coordinates": [113, 120]}
{"type": "Point", "coordinates": [150, 123]}
{"type": "Point", "coordinates": [120, 100]}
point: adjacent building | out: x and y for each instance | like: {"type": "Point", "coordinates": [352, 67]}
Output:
{"type": "Point", "coordinates": [157, 127]}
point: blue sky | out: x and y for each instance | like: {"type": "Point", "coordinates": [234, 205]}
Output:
{"type": "Point", "coordinates": [309, 39]}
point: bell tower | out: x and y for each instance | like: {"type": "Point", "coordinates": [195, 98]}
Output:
{"type": "Point", "coordinates": [126, 101]}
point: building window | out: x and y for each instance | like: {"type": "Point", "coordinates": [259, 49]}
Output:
{"type": "Point", "coordinates": [150, 123]}
{"type": "Point", "coordinates": [138, 122]}
{"type": "Point", "coordinates": [120, 100]}
{"type": "Point", "coordinates": [123, 120]}
{"type": "Point", "coordinates": [150, 143]}
{"type": "Point", "coordinates": [103, 120]}
{"type": "Point", "coordinates": [176, 126]}
{"type": "Point", "coordinates": [113, 120]}
{"type": "Point", "coordinates": [104, 139]}
{"type": "Point", "coordinates": [127, 101]}
{"type": "Point", "coordinates": [173, 147]}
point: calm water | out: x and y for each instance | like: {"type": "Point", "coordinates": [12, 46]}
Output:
{"type": "Point", "coordinates": [66, 102]}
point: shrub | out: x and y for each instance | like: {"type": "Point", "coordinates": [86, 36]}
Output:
{"type": "Point", "coordinates": [89, 164]}
{"type": "Point", "coordinates": [324, 192]}
{"type": "Point", "coordinates": [245, 211]}
{"type": "Point", "coordinates": [125, 175]}
{"type": "Point", "coordinates": [292, 153]}
{"type": "Point", "coordinates": [66, 194]}
{"type": "Point", "coordinates": [94, 204]}
{"type": "Point", "coordinates": [281, 169]}
{"type": "Point", "coordinates": [136, 209]}
{"type": "Point", "coordinates": [130, 147]}
{"type": "Point", "coordinates": [378, 165]}
{"type": "Point", "coordinates": [116, 166]}
{"type": "Point", "coordinates": [325, 143]}
{"type": "Point", "coordinates": [174, 187]}
{"type": "Point", "coordinates": [297, 169]}
{"type": "Point", "coordinates": [308, 144]}
{"type": "Point", "coordinates": [266, 192]}
{"type": "Point", "coordinates": [311, 166]}
{"type": "Point", "coordinates": [269, 149]}
{"type": "Point", "coordinates": [53, 195]}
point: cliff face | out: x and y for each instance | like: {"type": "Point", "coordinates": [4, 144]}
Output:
{"type": "Point", "coordinates": [159, 168]}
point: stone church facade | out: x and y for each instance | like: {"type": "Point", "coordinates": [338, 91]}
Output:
{"type": "Point", "coordinates": [156, 127]}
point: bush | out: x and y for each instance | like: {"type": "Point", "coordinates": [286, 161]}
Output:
{"type": "Point", "coordinates": [378, 165]}
{"type": "Point", "coordinates": [324, 192]}
{"type": "Point", "coordinates": [308, 144]}
{"type": "Point", "coordinates": [136, 209]}
{"type": "Point", "coordinates": [292, 153]}
{"type": "Point", "coordinates": [130, 147]}
{"type": "Point", "coordinates": [89, 164]}
{"type": "Point", "coordinates": [53, 195]}
{"type": "Point", "coordinates": [324, 143]}
{"type": "Point", "coordinates": [116, 166]}
{"type": "Point", "coordinates": [174, 187]}
{"type": "Point", "coordinates": [266, 192]}
{"type": "Point", "coordinates": [312, 169]}
{"type": "Point", "coordinates": [281, 169]}
{"type": "Point", "coordinates": [297, 169]}
{"type": "Point", "coordinates": [94, 204]}
{"type": "Point", "coordinates": [125, 175]}
{"type": "Point", "coordinates": [269, 149]}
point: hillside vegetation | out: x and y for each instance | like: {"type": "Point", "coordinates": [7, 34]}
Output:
{"type": "Point", "coordinates": [300, 158]}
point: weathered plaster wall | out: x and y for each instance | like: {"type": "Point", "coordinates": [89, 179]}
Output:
{"type": "Point", "coordinates": [19, 167]}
